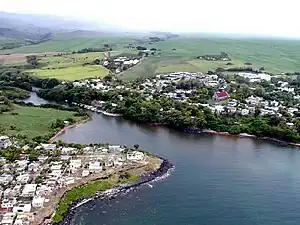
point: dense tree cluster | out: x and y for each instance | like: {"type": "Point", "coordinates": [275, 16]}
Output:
{"type": "Point", "coordinates": [86, 50]}
{"type": "Point", "coordinates": [14, 77]}
{"type": "Point", "coordinates": [13, 92]}
{"type": "Point", "coordinates": [178, 115]}
{"type": "Point", "coordinates": [174, 114]}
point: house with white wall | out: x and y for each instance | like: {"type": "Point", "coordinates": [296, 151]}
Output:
{"type": "Point", "coordinates": [5, 142]}
{"type": "Point", "coordinates": [135, 156]}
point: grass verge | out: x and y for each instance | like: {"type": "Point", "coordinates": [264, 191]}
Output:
{"type": "Point", "coordinates": [85, 191]}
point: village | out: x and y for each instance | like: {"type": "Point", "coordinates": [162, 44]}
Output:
{"type": "Point", "coordinates": [30, 185]}
{"type": "Point", "coordinates": [221, 102]}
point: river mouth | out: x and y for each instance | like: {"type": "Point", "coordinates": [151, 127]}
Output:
{"type": "Point", "coordinates": [217, 180]}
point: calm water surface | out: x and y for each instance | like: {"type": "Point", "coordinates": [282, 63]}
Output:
{"type": "Point", "coordinates": [36, 100]}
{"type": "Point", "coordinates": [217, 180]}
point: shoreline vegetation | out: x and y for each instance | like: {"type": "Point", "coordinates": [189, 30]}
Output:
{"type": "Point", "coordinates": [63, 130]}
{"type": "Point", "coordinates": [107, 188]}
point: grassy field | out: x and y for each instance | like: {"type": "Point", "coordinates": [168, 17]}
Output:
{"type": "Point", "coordinates": [275, 55]}
{"type": "Point", "coordinates": [31, 121]}
{"type": "Point", "coordinates": [69, 42]}
{"type": "Point", "coordinates": [70, 67]}
{"type": "Point", "coordinates": [179, 54]}
{"type": "Point", "coordinates": [145, 69]}
{"type": "Point", "coordinates": [85, 191]}
{"type": "Point", "coordinates": [201, 65]}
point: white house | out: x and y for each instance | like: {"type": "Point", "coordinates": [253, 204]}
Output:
{"type": "Point", "coordinates": [42, 158]}
{"type": "Point", "coordinates": [8, 218]}
{"type": "Point", "coordinates": [245, 112]}
{"type": "Point", "coordinates": [38, 201]}
{"type": "Point", "coordinates": [5, 142]}
{"type": "Point", "coordinates": [218, 109]}
{"type": "Point", "coordinates": [50, 147]}
{"type": "Point", "coordinates": [43, 190]}
{"type": "Point", "coordinates": [33, 167]}
{"type": "Point", "coordinates": [95, 167]}
{"type": "Point", "coordinates": [24, 219]}
{"type": "Point", "coordinates": [135, 156]}
{"type": "Point", "coordinates": [55, 173]}
{"type": "Point", "coordinates": [68, 150]}
{"type": "Point", "coordinates": [23, 178]}
{"type": "Point", "coordinates": [115, 147]}
{"type": "Point", "coordinates": [65, 157]}
{"type": "Point", "coordinates": [253, 100]}
{"type": "Point", "coordinates": [5, 179]}
{"type": "Point", "coordinates": [16, 190]}
{"type": "Point", "coordinates": [22, 208]}
{"type": "Point", "coordinates": [21, 165]}
{"type": "Point", "coordinates": [292, 110]}
{"type": "Point", "coordinates": [2, 160]}
{"type": "Point", "coordinates": [69, 180]}
{"type": "Point", "coordinates": [8, 192]}
{"type": "Point", "coordinates": [8, 203]}
{"type": "Point", "coordinates": [56, 166]}
{"type": "Point", "coordinates": [29, 190]}
{"type": "Point", "coordinates": [85, 173]}
{"type": "Point", "coordinates": [75, 164]}
{"type": "Point", "coordinates": [232, 103]}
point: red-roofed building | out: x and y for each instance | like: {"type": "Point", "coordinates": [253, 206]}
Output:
{"type": "Point", "coordinates": [221, 95]}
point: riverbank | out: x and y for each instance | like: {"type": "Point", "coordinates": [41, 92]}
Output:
{"type": "Point", "coordinates": [160, 172]}
{"type": "Point", "coordinates": [245, 135]}
{"type": "Point", "coordinates": [84, 120]}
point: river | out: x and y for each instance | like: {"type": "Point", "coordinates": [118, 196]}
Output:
{"type": "Point", "coordinates": [217, 180]}
{"type": "Point", "coordinates": [36, 100]}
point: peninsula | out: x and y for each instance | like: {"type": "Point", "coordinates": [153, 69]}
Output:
{"type": "Point", "coordinates": [42, 183]}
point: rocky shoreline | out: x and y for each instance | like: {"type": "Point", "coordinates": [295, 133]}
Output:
{"type": "Point", "coordinates": [162, 171]}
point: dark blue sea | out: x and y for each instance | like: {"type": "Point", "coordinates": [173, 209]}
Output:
{"type": "Point", "coordinates": [217, 180]}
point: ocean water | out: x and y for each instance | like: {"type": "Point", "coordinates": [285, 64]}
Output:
{"type": "Point", "coordinates": [217, 180]}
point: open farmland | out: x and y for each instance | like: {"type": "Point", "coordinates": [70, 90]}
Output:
{"type": "Point", "coordinates": [145, 69]}
{"type": "Point", "coordinates": [31, 121]}
{"type": "Point", "coordinates": [70, 67]}
{"type": "Point", "coordinates": [21, 58]}
{"type": "Point", "coordinates": [73, 41]}
{"type": "Point", "coordinates": [276, 56]}
{"type": "Point", "coordinates": [177, 54]}
{"type": "Point", "coordinates": [197, 65]}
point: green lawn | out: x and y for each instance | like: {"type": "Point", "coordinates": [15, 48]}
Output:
{"type": "Point", "coordinates": [70, 67]}
{"type": "Point", "coordinates": [31, 121]}
{"type": "Point", "coordinates": [86, 191]}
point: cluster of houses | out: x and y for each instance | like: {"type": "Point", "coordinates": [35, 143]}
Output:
{"type": "Point", "coordinates": [98, 84]}
{"type": "Point", "coordinates": [26, 186]}
{"type": "Point", "coordinates": [221, 101]}
{"type": "Point", "coordinates": [120, 63]}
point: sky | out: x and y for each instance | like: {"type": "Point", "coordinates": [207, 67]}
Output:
{"type": "Point", "coordinates": [246, 17]}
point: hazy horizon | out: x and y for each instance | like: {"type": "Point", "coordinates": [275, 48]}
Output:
{"type": "Point", "coordinates": [257, 18]}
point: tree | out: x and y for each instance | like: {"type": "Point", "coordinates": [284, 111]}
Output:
{"type": "Point", "coordinates": [32, 61]}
